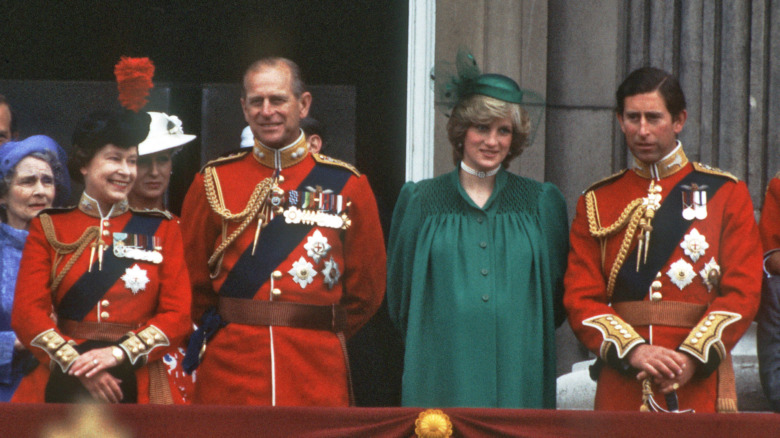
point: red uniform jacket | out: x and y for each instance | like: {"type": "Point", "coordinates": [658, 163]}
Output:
{"type": "Point", "coordinates": [164, 302]}
{"type": "Point", "coordinates": [262, 365]}
{"type": "Point", "coordinates": [732, 237]}
{"type": "Point", "coordinates": [770, 216]}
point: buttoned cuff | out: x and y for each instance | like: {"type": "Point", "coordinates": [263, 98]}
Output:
{"type": "Point", "coordinates": [706, 336]}
{"type": "Point", "coordinates": [616, 333]}
{"type": "Point", "coordinates": [138, 346]}
{"type": "Point", "coordinates": [61, 352]}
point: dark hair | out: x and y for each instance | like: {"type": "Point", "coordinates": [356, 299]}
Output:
{"type": "Point", "coordinates": [478, 109]}
{"type": "Point", "coordinates": [647, 80]}
{"type": "Point", "coordinates": [298, 86]}
{"type": "Point", "coordinates": [14, 126]}
{"type": "Point", "coordinates": [312, 126]}
{"type": "Point", "coordinates": [123, 129]}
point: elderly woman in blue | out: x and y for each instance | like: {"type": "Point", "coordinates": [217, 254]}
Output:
{"type": "Point", "coordinates": [31, 176]}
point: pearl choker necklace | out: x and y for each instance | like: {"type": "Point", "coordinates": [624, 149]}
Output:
{"type": "Point", "coordinates": [479, 173]}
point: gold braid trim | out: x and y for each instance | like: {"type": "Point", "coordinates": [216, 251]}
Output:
{"type": "Point", "coordinates": [256, 203]}
{"type": "Point", "coordinates": [77, 247]}
{"type": "Point", "coordinates": [630, 217]}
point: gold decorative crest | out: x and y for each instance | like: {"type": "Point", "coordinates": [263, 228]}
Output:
{"type": "Point", "coordinates": [433, 423]}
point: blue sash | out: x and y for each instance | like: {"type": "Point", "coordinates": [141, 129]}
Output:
{"type": "Point", "coordinates": [669, 227]}
{"type": "Point", "coordinates": [277, 240]}
{"type": "Point", "coordinates": [90, 288]}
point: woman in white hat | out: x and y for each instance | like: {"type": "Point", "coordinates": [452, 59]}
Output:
{"type": "Point", "coordinates": [155, 155]}
{"type": "Point", "coordinates": [155, 160]}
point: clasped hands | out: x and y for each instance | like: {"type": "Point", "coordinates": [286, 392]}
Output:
{"type": "Point", "coordinates": [669, 369]}
{"type": "Point", "coordinates": [91, 368]}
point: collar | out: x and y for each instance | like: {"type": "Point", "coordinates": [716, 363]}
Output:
{"type": "Point", "coordinates": [281, 158]}
{"type": "Point", "coordinates": [666, 166]}
{"type": "Point", "coordinates": [89, 206]}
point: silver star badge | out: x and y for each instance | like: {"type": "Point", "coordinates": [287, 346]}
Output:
{"type": "Point", "coordinates": [302, 273]}
{"type": "Point", "coordinates": [317, 246]}
{"type": "Point", "coordinates": [694, 244]}
{"type": "Point", "coordinates": [681, 273]}
{"type": "Point", "coordinates": [135, 279]}
{"type": "Point", "coordinates": [331, 273]}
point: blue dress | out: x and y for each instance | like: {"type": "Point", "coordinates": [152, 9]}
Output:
{"type": "Point", "coordinates": [12, 363]}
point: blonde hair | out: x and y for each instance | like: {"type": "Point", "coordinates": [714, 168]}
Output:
{"type": "Point", "coordinates": [480, 109]}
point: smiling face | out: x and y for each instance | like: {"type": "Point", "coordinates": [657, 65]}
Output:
{"type": "Point", "coordinates": [109, 175]}
{"type": "Point", "coordinates": [31, 190]}
{"type": "Point", "coordinates": [270, 106]}
{"type": "Point", "coordinates": [651, 132]}
{"type": "Point", "coordinates": [154, 175]}
{"type": "Point", "coordinates": [486, 145]}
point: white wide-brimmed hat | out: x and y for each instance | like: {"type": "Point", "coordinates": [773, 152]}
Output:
{"type": "Point", "coordinates": [247, 138]}
{"type": "Point", "coordinates": [165, 132]}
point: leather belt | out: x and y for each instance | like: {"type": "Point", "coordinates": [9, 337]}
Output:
{"type": "Point", "coordinates": [669, 313]}
{"type": "Point", "coordinates": [274, 313]}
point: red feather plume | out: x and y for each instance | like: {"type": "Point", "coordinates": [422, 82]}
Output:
{"type": "Point", "coordinates": [134, 80]}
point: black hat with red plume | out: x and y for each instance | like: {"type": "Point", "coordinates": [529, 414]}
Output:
{"type": "Point", "coordinates": [124, 129]}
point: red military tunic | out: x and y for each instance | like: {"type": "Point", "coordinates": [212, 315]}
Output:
{"type": "Point", "coordinates": [277, 365]}
{"type": "Point", "coordinates": [731, 237]}
{"type": "Point", "coordinates": [770, 216]}
{"type": "Point", "coordinates": [163, 302]}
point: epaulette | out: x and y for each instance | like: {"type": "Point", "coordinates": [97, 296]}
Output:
{"type": "Point", "coordinates": [605, 181]}
{"type": "Point", "coordinates": [713, 171]}
{"type": "Point", "coordinates": [154, 212]}
{"type": "Point", "coordinates": [324, 159]}
{"type": "Point", "coordinates": [58, 210]}
{"type": "Point", "coordinates": [227, 157]}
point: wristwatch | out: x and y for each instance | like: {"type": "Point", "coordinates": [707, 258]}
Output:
{"type": "Point", "coordinates": [118, 354]}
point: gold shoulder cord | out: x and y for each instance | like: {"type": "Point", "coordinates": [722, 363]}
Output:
{"type": "Point", "coordinates": [630, 216]}
{"type": "Point", "coordinates": [256, 205]}
{"type": "Point", "coordinates": [77, 247]}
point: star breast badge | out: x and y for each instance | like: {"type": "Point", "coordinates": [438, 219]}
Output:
{"type": "Point", "coordinates": [694, 245]}
{"type": "Point", "coordinates": [317, 246]}
{"type": "Point", "coordinates": [135, 279]}
{"type": "Point", "coordinates": [681, 273]}
{"type": "Point", "coordinates": [302, 272]}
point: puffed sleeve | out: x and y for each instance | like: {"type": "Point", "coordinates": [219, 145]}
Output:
{"type": "Point", "coordinates": [401, 246]}
{"type": "Point", "coordinates": [555, 225]}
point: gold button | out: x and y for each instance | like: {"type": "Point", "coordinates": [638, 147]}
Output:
{"type": "Point", "coordinates": [106, 232]}
{"type": "Point", "coordinates": [106, 223]}
{"type": "Point", "coordinates": [277, 275]}
{"type": "Point", "coordinates": [104, 315]}
{"type": "Point", "coordinates": [276, 291]}
{"type": "Point", "coordinates": [656, 285]}
{"type": "Point", "coordinates": [656, 296]}
{"type": "Point", "coordinates": [104, 303]}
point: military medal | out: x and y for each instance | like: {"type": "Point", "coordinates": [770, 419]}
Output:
{"type": "Point", "coordinates": [681, 273]}
{"type": "Point", "coordinates": [317, 207]}
{"type": "Point", "coordinates": [317, 246]}
{"type": "Point", "coordinates": [694, 202]}
{"type": "Point", "coordinates": [711, 274]}
{"type": "Point", "coordinates": [135, 279]}
{"type": "Point", "coordinates": [302, 272]}
{"type": "Point", "coordinates": [694, 244]}
{"type": "Point", "coordinates": [331, 273]}
{"type": "Point", "coordinates": [141, 247]}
